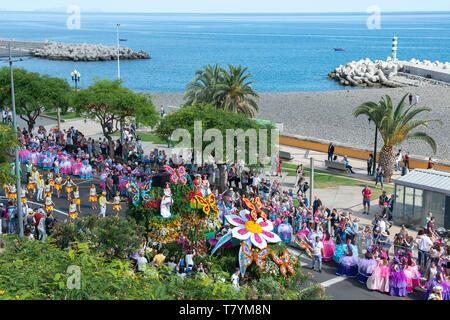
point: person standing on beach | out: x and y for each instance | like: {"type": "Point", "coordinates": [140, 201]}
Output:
{"type": "Point", "coordinates": [162, 112]}
{"type": "Point", "coordinates": [330, 151]}
{"type": "Point", "coordinates": [417, 99]}
{"type": "Point", "coordinates": [379, 176]}
{"type": "Point", "coordinates": [406, 160]}
{"type": "Point", "coordinates": [410, 98]}
{"type": "Point", "coordinates": [398, 159]}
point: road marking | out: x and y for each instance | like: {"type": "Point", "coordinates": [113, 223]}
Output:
{"type": "Point", "coordinates": [332, 281]}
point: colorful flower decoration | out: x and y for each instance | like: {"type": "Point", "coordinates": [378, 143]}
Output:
{"type": "Point", "coordinates": [136, 193]}
{"type": "Point", "coordinates": [177, 175]}
{"type": "Point", "coordinates": [258, 231]}
{"type": "Point", "coordinates": [305, 246]}
{"type": "Point", "coordinates": [208, 204]}
{"type": "Point", "coordinates": [251, 255]}
{"type": "Point", "coordinates": [255, 208]}
{"type": "Point", "coordinates": [284, 262]}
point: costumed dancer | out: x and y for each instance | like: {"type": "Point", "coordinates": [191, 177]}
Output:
{"type": "Point", "coordinates": [342, 249]}
{"type": "Point", "coordinates": [56, 166]}
{"type": "Point", "coordinates": [50, 179]}
{"type": "Point", "coordinates": [48, 190]}
{"type": "Point", "coordinates": [205, 188]}
{"type": "Point", "coordinates": [285, 230]}
{"type": "Point", "coordinates": [58, 184]}
{"type": "Point", "coordinates": [166, 202]}
{"type": "Point", "coordinates": [12, 194]}
{"type": "Point", "coordinates": [40, 188]}
{"type": "Point", "coordinates": [328, 247]}
{"type": "Point", "coordinates": [69, 187]}
{"type": "Point", "coordinates": [31, 185]}
{"type": "Point", "coordinates": [86, 171]}
{"type": "Point", "coordinates": [366, 266]}
{"type": "Point", "coordinates": [379, 280]}
{"type": "Point", "coordinates": [48, 160]}
{"type": "Point", "coordinates": [93, 197]}
{"type": "Point", "coordinates": [412, 273]}
{"type": "Point", "coordinates": [24, 155]}
{"type": "Point", "coordinates": [34, 157]}
{"type": "Point", "coordinates": [348, 264]}
{"type": "Point", "coordinates": [116, 204]}
{"type": "Point", "coordinates": [73, 210]}
{"type": "Point", "coordinates": [76, 168]}
{"type": "Point", "coordinates": [49, 205]}
{"type": "Point", "coordinates": [196, 190]}
{"type": "Point", "coordinates": [76, 198]}
{"type": "Point", "coordinates": [6, 188]}
{"type": "Point", "coordinates": [24, 196]}
{"type": "Point", "coordinates": [304, 231]}
{"type": "Point", "coordinates": [102, 204]}
{"type": "Point", "coordinates": [439, 283]}
{"type": "Point", "coordinates": [397, 279]}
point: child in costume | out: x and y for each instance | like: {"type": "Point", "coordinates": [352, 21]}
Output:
{"type": "Point", "coordinates": [116, 203]}
{"type": "Point", "coordinates": [47, 190]}
{"type": "Point", "coordinates": [285, 231]}
{"type": "Point", "coordinates": [397, 279]}
{"type": "Point", "coordinates": [412, 273]}
{"type": "Point", "coordinates": [366, 266]}
{"type": "Point", "coordinates": [439, 283]}
{"type": "Point", "coordinates": [76, 198]}
{"type": "Point", "coordinates": [93, 197]}
{"type": "Point", "coordinates": [166, 202]}
{"type": "Point", "coordinates": [58, 184]}
{"type": "Point", "coordinates": [205, 188]}
{"type": "Point", "coordinates": [328, 247]}
{"type": "Point", "coordinates": [379, 280]}
{"type": "Point", "coordinates": [348, 264]}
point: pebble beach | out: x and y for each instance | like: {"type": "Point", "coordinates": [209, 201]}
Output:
{"type": "Point", "coordinates": [328, 115]}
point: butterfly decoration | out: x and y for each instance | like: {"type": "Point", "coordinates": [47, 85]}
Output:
{"type": "Point", "coordinates": [284, 262]}
{"type": "Point", "coordinates": [250, 256]}
{"type": "Point", "coordinates": [208, 204]}
{"type": "Point", "coordinates": [302, 244]}
{"type": "Point", "coordinates": [177, 175]}
{"type": "Point", "coordinates": [143, 192]}
{"type": "Point", "coordinates": [255, 208]}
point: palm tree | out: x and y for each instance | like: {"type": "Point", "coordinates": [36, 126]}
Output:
{"type": "Point", "coordinates": [395, 126]}
{"type": "Point", "coordinates": [235, 92]}
{"type": "Point", "coordinates": [203, 87]}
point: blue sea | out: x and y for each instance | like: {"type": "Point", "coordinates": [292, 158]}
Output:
{"type": "Point", "coordinates": [284, 52]}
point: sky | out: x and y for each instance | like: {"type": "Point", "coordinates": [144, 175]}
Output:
{"type": "Point", "coordinates": [227, 6]}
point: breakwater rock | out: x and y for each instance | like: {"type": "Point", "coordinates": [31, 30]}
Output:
{"type": "Point", "coordinates": [367, 73]}
{"type": "Point", "coordinates": [85, 52]}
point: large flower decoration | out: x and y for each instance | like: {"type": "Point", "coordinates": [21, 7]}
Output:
{"type": "Point", "coordinates": [258, 231]}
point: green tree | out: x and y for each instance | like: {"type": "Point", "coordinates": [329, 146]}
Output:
{"type": "Point", "coordinates": [224, 89]}
{"type": "Point", "coordinates": [221, 120]}
{"type": "Point", "coordinates": [109, 103]}
{"type": "Point", "coordinates": [8, 141]}
{"type": "Point", "coordinates": [235, 93]}
{"type": "Point", "coordinates": [395, 125]}
{"type": "Point", "coordinates": [204, 85]}
{"type": "Point", "coordinates": [34, 93]}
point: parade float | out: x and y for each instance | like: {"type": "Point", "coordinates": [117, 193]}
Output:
{"type": "Point", "coordinates": [184, 217]}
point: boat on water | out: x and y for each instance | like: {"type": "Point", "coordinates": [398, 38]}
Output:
{"type": "Point", "coordinates": [339, 49]}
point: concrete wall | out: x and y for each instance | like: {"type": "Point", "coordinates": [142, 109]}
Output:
{"type": "Point", "coordinates": [422, 71]}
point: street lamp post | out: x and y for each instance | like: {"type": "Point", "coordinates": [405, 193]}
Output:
{"type": "Point", "coordinates": [75, 77]}
{"type": "Point", "coordinates": [375, 151]}
{"type": "Point", "coordinates": [16, 149]}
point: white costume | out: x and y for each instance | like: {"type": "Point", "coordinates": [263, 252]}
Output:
{"type": "Point", "coordinates": [166, 202]}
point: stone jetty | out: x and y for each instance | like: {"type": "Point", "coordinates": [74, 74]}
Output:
{"type": "Point", "coordinates": [69, 51]}
{"type": "Point", "coordinates": [86, 52]}
{"type": "Point", "coordinates": [368, 73]}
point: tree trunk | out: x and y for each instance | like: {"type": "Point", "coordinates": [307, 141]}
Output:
{"type": "Point", "coordinates": [111, 147]}
{"type": "Point", "coordinates": [387, 160]}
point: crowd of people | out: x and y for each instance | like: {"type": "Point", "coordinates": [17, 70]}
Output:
{"type": "Point", "coordinates": [332, 235]}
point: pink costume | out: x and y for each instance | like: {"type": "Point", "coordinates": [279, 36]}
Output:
{"type": "Point", "coordinates": [76, 168]}
{"type": "Point", "coordinates": [379, 280]}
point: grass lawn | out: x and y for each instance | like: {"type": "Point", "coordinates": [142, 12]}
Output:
{"type": "Point", "coordinates": [68, 116]}
{"type": "Point", "coordinates": [147, 137]}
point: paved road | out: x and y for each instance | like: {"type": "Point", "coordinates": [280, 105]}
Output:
{"type": "Point", "coordinates": [343, 288]}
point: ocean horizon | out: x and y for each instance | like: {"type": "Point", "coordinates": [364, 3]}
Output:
{"type": "Point", "coordinates": [285, 52]}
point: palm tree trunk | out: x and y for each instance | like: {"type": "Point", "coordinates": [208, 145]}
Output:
{"type": "Point", "coordinates": [387, 161]}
